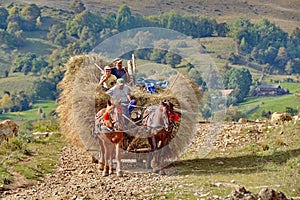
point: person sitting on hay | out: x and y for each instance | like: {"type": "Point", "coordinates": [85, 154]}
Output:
{"type": "Point", "coordinates": [107, 80]}
{"type": "Point", "coordinates": [119, 71]}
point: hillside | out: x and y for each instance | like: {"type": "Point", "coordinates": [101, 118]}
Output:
{"type": "Point", "coordinates": [284, 13]}
{"type": "Point", "coordinates": [44, 42]}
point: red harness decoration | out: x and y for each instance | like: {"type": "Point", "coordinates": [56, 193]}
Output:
{"type": "Point", "coordinates": [173, 117]}
{"type": "Point", "coordinates": [106, 116]}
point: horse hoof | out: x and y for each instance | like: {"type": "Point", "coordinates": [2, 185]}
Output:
{"type": "Point", "coordinates": [155, 171]}
{"type": "Point", "coordinates": [120, 174]}
{"type": "Point", "coordinates": [104, 174]}
{"type": "Point", "coordinates": [110, 172]}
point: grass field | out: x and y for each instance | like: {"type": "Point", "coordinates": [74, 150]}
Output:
{"type": "Point", "coordinates": [31, 160]}
{"type": "Point", "coordinates": [32, 114]}
{"type": "Point", "coordinates": [17, 82]}
{"type": "Point", "coordinates": [273, 104]}
{"type": "Point", "coordinates": [38, 46]}
{"type": "Point", "coordinates": [271, 161]}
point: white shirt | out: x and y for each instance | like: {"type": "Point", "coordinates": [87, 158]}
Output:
{"type": "Point", "coordinates": [119, 94]}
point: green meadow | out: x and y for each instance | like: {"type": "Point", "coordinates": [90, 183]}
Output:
{"type": "Point", "coordinates": [32, 114]}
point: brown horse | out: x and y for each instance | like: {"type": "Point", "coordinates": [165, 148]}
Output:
{"type": "Point", "coordinates": [108, 126]}
{"type": "Point", "coordinates": [159, 128]}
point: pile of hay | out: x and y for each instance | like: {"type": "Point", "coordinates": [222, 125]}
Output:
{"type": "Point", "coordinates": [81, 98]}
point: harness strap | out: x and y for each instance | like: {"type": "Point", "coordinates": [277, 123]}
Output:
{"type": "Point", "coordinates": [106, 116]}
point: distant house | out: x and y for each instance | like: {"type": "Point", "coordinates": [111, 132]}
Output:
{"type": "Point", "coordinates": [269, 90]}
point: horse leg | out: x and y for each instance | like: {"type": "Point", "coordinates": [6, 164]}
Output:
{"type": "Point", "coordinates": [118, 160]}
{"type": "Point", "coordinates": [160, 168]}
{"type": "Point", "coordinates": [111, 155]}
{"type": "Point", "coordinates": [150, 154]}
{"type": "Point", "coordinates": [160, 154]}
{"type": "Point", "coordinates": [101, 153]}
{"type": "Point", "coordinates": [158, 157]}
{"type": "Point", "coordinates": [105, 171]}
{"type": "Point", "coordinates": [155, 154]}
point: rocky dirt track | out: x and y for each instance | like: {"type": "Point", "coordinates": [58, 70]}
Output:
{"type": "Point", "coordinates": [77, 177]}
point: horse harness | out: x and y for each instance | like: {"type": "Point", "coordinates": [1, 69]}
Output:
{"type": "Point", "coordinates": [102, 127]}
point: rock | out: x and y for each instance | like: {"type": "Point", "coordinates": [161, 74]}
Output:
{"type": "Point", "coordinates": [270, 194]}
{"type": "Point", "coordinates": [8, 129]}
{"type": "Point", "coordinates": [280, 117]}
{"type": "Point", "coordinates": [243, 120]}
{"type": "Point", "coordinates": [296, 119]}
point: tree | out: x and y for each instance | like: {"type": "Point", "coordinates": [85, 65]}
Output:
{"type": "Point", "coordinates": [21, 101]}
{"type": "Point", "coordinates": [19, 38]}
{"type": "Point", "coordinates": [44, 89]}
{"type": "Point", "coordinates": [270, 55]}
{"type": "Point", "coordinates": [110, 20]}
{"type": "Point", "coordinates": [240, 81]}
{"type": "Point", "coordinates": [54, 58]}
{"type": "Point", "coordinates": [205, 105]}
{"type": "Point", "coordinates": [3, 17]}
{"type": "Point", "coordinates": [269, 35]}
{"type": "Point", "coordinates": [123, 19]}
{"type": "Point", "coordinates": [13, 27]}
{"type": "Point", "coordinates": [22, 62]}
{"type": "Point", "coordinates": [30, 12]}
{"type": "Point", "coordinates": [195, 75]}
{"type": "Point", "coordinates": [233, 114]}
{"type": "Point", "coordinates": [242, 28]}
{"type": "Point", "coordinates": [175, 21]}
{"type": "Point", "coordinates": [6, 103]}
{"type": "Point", "coordinates": [138, 20]}
{"type": "Point", "coordinates": [222, 29]}
{"type": "Point", "coordinates": [173, 59]}
{"type": "Point", "coordinates": [198, 26]}
{"type": "Point", "coordinates": [281, 58]}
{"type": "Point", "coordinates": [57, 34]}
{"type": "Point", "coordinates": [38, 63]}
{"type": "Point", "coordinates": [77, 6]}
{"type": "Point", "coordinates": [30, 15]}
{"type": "Point", "coordinates": [143, 39]}
{"type": "Point", "coordinates": [6, 73]}
{"type": "Point", "coordinates": [157, 56]}
{"type": "Point", "coordinates": [293, 44]}
{"type": "Point", "coordinates": [244, 45]}
{"type": "Point", "coordinates": [84, 19]}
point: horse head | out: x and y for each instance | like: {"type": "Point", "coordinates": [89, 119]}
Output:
{"type": "Point", "coordinates": [168, 105]}
{"type": "Point", "coordinates": [164, 107]}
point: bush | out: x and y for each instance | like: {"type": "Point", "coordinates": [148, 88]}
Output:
{"type": "Point", "coordinates": [291, 111]}
{"type": "Point", "coordinates": [14, 144]}
{"type": "Point", "coordinates": [46, 126]}
{"type": "Point", "coordinates": [266, 114]}
{"type": "Point", "coordinates": [233, 114]}
{"type": "Point", "coordinates": [288, 80]}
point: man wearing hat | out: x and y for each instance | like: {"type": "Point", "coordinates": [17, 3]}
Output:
{"type": "Point", "coordinates": [119, 71]}
{"type": "Point", "coordinates": [107, 80]}
{"type": "Point", "coordinates": [121, 93]}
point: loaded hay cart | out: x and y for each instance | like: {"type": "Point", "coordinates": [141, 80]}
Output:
{"type": "Point", "coordinates": [81, 98]}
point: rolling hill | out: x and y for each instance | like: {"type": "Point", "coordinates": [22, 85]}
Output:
{"type": "Point", "coordinates": [284, 13]}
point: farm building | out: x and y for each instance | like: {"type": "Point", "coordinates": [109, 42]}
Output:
{"type": "Point", "coordinates": [269, 90]}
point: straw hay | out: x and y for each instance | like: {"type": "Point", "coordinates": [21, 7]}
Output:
{"type": "Point", "coordinates": [81, 98]}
